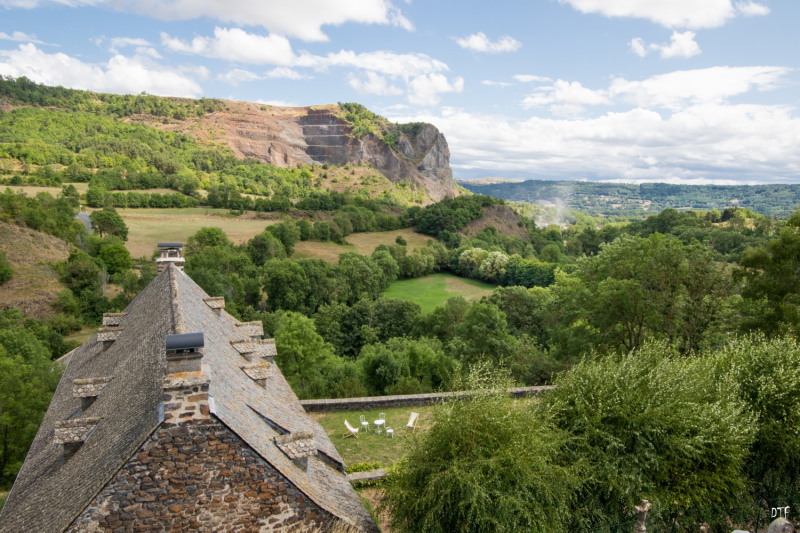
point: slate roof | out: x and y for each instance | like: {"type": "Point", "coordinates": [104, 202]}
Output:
{"type": "Point", "coordinates": [51, 492]}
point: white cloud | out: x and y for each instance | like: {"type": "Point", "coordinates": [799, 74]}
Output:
{"type": "Point", "coordinates": [236, 76]}
{"type": "Point", "coordinates": [491, 83]}
{"type": "Point", "coordinates": [751, 8]}
{"type": "Point", "coordinates": [303, 19]}
{"type": "Point", "coordinates": [20, 37]}
{"type": "Point", "coordinates": [120, 74]}
{"type": "Point", "coordinates": [682, 88]}
{"type": "Point", "coordinates": [401, 65]}
{"type": "Point", "coordinates": [682, 44]}
{"type": "Point", "coordinates": [703, 143]}
{"type": "Point", "coordinates": [568, 97]}
{"type": "Point", "coordinates": [530, 78]}
{"type": "Point", "coordinates": [235, 44]}
{"type": "Point", "coordinates": [479, 42]}
{"type": "Point", "coordinates": [373, 83]}
{"type": "Point", "coordinates": [286, 74]}
{"type": "Point", "coordinates": [638, 47]}
{"type": "Point", "coordinates": [672, 13]}
{"type": "Point", "coordinates": [424, 90]}
{"type": "Point", "coordinates": [277, 103]}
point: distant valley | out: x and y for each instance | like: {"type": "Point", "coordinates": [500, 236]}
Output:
{"type": "Point", "coordinates": [630, 200]}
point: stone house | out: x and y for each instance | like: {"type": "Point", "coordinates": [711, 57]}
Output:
{"type": "Point", "coordinates": [174, 417]}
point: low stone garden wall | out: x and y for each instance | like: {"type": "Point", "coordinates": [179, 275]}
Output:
{"type": "Point", "coordinates": [405, 400]}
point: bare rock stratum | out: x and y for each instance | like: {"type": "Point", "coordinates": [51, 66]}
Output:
{"type": "Point", "coordinates": [286, 136]}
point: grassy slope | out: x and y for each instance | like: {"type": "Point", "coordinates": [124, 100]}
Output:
{"type": "Point", "coordinates": [34, 285]}
{"type": "Point", "coordinates": [435, 289]}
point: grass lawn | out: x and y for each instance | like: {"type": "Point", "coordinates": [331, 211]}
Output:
{"type": "Point", "coordinates": [434, 290]}
{"type": "Point", "coordinates": [32, 190]}
{"type": "Point", "coordinates": [147, 227]}
{"type": "Point", "coordinates": [370, 446]}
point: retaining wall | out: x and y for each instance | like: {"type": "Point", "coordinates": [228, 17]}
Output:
{"type": "Point", "coordinates": [369, 403]}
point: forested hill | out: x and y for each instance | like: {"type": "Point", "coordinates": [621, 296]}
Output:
{"type": "Point", "coordinates": [407, 155]}
{"type": "Point", "coordinates": [608, 199]}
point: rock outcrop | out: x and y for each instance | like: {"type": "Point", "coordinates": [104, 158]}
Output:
{"type": "Point", "coordinates": [286, 136]}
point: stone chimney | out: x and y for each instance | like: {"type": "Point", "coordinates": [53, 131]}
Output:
{"type": "Point", "coordinates": [88, 389]}
{"type": "Point", "coordinates": [185, 386]}
{"type": "Point", "coordinates": [73, 433]}
{"type": "Point", "coordinates": [298, 447]}
{"type": "Point", "coordinates": [108, 335]}
{"type": "Point", "coordinates": [170, 253]}
{"type": "Point", "coordinates": [184, 352]}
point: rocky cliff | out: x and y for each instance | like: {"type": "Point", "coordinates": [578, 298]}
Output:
{"type": "Point", "coordinates": [286, 136]}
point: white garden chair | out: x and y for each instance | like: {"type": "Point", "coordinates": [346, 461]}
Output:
{"type": "Point", "coordinates": [389, 433]}
{"type": "Point", "coordinates": [380, 422]}
{"type": "Point", "coordinates": [364, 423]}
{"type": "Point", "coordinates": [412, 421]}
{"type": "Point", "coordinates": [351, 431]}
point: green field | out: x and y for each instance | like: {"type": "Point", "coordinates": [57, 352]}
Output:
{"type": "Point", "coordinates": [434, 290]}
{"type": "Point", "coordinates": [371, 446]}
{"type": "Point", "coordinates": [147, 227]}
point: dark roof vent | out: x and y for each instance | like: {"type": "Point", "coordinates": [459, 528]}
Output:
{"type": "Point", "coordinates": [184, 352]}
{"type": "Point", "coordinates": [184, 342]}
{"type": "Point", "coordinates": [170, 245]}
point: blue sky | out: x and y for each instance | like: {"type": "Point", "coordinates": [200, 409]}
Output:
{"type": "Point", "coordinates": [677, 91]}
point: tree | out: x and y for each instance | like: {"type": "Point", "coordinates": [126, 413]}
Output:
{"type": "Point", "coordinates": [361, 277]}
{"type": "Point", "coordinates": [303, 356]}
{"type": "Point", "coordinates": [647, 425]}
{"type": "Point", "coordinates": [768, 374]}
{"type": "Point", "coordinates": [27, 381]}
{"type": "Point", "coordinates": [483, 335]}
{"type": "Point", "coordinates": [108, 222]}
{"type": "Point", "coordinates": [6, 270]}
{"type": "Point", "coordinates": [204, 238]}
{"type": "Point", "coordinates": [772, 281]}
{"type": "Point", "coordinates": [116, 258]}
{"type": "Point", "coordinates": [487, 464]}
{"type": "Point", "coordinates": [493, 267]}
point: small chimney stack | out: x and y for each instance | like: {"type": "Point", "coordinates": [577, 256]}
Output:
{"type": "Point", "coordinates": [186, 399]}
{"type": "Point", "coordinates": [170, 252]}
{"type": "Point", "coordinates": [108, 335]}
{"type": "Point", "coordinates": [298, 447]}
{"type": "Point", "coordinates": [88, 389]}
{"type": "Point", "coordinates": [73, 433]}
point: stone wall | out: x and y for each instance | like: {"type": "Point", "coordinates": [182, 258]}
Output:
{"type": "Point", "coordinates": [405, 400]}
{"type": "Point", "coordinates": [201, 477]}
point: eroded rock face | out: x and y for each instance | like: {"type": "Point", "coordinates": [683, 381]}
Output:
{"type": "Point", "coordinates": [284, 136]}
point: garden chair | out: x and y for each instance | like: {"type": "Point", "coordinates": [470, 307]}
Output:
{"type": "Point", "coordinates": [381, 421]}
{"type": "Point", "coordinates": [364, 423]}
{"type": "Point", "coordinates": [412, 421]}
{"type": "Point", "coordinates": [351, 431]}
{"type": "Point", "coordinates": [389, 433]}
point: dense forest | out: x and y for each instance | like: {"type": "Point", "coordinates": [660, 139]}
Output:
{"type": "Point", "coordinates": [672, 338]}
{"type": "Point", "coordinates": [628, 200]}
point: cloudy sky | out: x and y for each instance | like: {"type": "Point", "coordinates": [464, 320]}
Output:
{"type": "Point", "coordinates": [679, 91]}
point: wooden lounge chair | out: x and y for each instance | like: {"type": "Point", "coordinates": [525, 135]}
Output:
{"type": "Point", "coordinates": [351, 431]}
{"type": "Point", "coordinates": [412, 421]}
